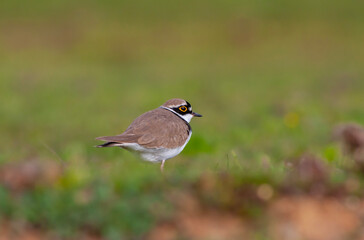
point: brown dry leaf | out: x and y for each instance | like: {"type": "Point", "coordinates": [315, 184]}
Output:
{"type": "Point", "coordinates": [351, 136]}
{"type": "Point", "coordinates": [311, 169]}
{"type": "Point", "coordinates": [308, 173]}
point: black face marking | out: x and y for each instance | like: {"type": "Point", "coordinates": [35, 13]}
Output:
{"type": "Point", "coordinates": [189, 107]}
{"type": "Point", "coordinates": [183, 109]}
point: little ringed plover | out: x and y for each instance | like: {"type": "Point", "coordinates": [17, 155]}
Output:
{"type": "Point", "coordinates": [159, 134]}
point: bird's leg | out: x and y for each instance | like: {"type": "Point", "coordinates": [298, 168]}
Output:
{"type": "Point", "coordinates": [162, 165]}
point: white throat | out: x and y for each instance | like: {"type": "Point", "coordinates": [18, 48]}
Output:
{"type": "Point", "coordinates": [186, 117]}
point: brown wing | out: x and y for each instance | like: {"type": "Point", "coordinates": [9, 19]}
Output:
{"type": "Point", "coordinates": [153, 129]}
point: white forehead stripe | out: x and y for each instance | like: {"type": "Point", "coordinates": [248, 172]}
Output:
{"type": "Point", "coordinates": [174, 106]}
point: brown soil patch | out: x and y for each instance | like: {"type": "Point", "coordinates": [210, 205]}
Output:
{"type": "Point", "coordinates": [192, 221]}
{"type": "Point", "coordinates": [315, 219]}
{"type": "Point", "coordinates": [287, 218]}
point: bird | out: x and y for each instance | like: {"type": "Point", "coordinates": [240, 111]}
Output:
{"type": "Point", "coordinates": [157, 135]}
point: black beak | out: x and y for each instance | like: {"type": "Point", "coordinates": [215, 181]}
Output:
{"type": "Point", "coordinates": [196, 114]}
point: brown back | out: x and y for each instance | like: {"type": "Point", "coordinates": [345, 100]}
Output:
{"type": "Point", "coordinates": [154, 129]}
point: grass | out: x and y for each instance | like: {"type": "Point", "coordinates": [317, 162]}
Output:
{"type": "Point", "coordinates": [272, 81]}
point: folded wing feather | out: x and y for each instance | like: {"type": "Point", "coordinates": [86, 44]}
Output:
{"type": "Point", "coordinates": [153, 129]}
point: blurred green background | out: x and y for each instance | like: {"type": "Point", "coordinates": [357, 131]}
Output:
{"type": "Point", "coordinates": [272, 79]}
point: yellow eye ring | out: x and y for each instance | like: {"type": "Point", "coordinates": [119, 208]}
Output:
{"type": "Point", "coordinates": [182, 109]}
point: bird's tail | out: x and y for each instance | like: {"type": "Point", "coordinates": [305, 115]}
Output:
{"type": "Point", "coordinates": [108, 144]}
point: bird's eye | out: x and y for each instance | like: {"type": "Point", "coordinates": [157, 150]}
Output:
{"type": "Point", "coordinates": [183, 109]}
